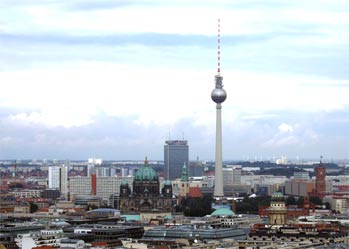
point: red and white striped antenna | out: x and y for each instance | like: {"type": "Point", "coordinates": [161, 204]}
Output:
{"type": "Point", "coordinates": [219, 48]}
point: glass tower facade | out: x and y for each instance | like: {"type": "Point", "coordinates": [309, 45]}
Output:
{"type": "Point", "coordinates": [176, 153]}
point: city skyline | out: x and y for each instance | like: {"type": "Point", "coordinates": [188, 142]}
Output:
{"type": "Point", "coordinates": [112, 79]}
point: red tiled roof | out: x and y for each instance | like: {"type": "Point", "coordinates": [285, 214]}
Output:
{"type": "Point", "coordinates": [195, 192]}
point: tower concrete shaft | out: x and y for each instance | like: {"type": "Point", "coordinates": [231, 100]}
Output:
{"type": "Point", "coordinates": [218, 187]}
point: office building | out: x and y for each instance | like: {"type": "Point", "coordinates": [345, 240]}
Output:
{"type": "Point", "coordinates": [53, 177]}
{"type": "Point", "coordinates": [105, 186]}
{"type": "Point", "coordinates": [299, 187]}
{"type": "Point", "coordinates": [58, 179]}
{"type": "Point", "coordinates": [176, 153]}
{"type": "Point", "coordinates": [232, 175]}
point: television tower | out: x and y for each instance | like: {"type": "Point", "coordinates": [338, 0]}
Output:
{"type": "Point", "coordinates": [218, 95]}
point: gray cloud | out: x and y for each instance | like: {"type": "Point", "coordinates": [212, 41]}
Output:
{"type": "Point", "coordinates": [121, 138]}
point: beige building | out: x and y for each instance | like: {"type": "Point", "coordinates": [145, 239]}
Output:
{"type": "Point", "coordinates": [337, 204]}
{"type": "Point", "coordinates": [277, 210]}
{"type": "Point", "coordinates": [299, 187]}
{"type": "Point", "coordinates": [23, 209]}
{"type": "Point", "coordinates": [27, 193]}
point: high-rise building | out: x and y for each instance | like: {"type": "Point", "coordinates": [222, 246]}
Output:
{"type": "Point", "coordinates": [218, 95]}
{"type": "Point", "coordinates": [232, 175]}
{"type": "Point", "coordinates": [58, 178]}
{"type": "Point", "coordinates": [103, 186]}
{"type": "Point", "coordinates": [54, 177]}
{"type": "Point", "coordinates": [64, 184]}
{"type": "Point", "coordinates": [176, 153]}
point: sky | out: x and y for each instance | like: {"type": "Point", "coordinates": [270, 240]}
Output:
{"type": "Point", "coordinates": [114, 79]}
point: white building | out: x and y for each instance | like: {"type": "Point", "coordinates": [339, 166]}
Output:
{"type": "Point", "coordinates": [337, 204]}
{"type": "Point", "coordinates": [58, 179]}
{"type": "Point", "coordinates": [232, 175]}
{"type": "Point", "coordinates": [27, 193]}
{"type": "Point", "coordinates": [54, 177]}
{"type": "Point", "coordinates": [80, 185]}
{"type": "Point", "coordinates": [102, 171]}
{"type": "Point", "coordinates": [252, 180]}
{"type": "Point", "coordinates": [64, 184]}
{"type": "Point", "coordinates": [105, 186]}
{"type": "Point", "coordinates": [301, 175]}
{"type": "Point", "coordinates": [72, 243]}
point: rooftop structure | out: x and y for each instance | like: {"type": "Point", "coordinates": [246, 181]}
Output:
{"type": "Point", "coordinates": [192, 231]}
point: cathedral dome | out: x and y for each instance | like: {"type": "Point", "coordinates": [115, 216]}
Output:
{"type": "Point", "coordinates": [277, 196]}
{"type": "Point", "coordinates": [146, 173]}
{"type": "Point", "coordinates": [124, 183]}
{"type": "Point", "coordinates": [167, 183]}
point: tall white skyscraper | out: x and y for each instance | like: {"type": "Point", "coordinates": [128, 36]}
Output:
{"type": "Point", "coordinates": [64, 183]}
{"type": "Point", "coordinates": [54, 177]}
{"type": "Point", "coordinates": [58, 178]}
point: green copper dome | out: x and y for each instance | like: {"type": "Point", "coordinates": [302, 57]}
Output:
{"type": "Point", "coordinates": [124, 182]}
{"type": "Point", "coordinates": [223, 212]}
{"type": "Point", "coordinates": [146, 173]}
{"type": "Point", "coordinates": [167, 183]}
{"type": "Point", "coordinates": [277, 196]}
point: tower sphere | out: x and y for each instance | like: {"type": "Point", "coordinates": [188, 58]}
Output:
{"type": "Point", "coordinates": [218, 95]}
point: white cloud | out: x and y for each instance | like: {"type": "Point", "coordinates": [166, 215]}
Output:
{"type": "Point", "coordinates": [57, 84]}
{"type": "Point", "coordinates": [285, 128]}
{"type": "Point", "coordinates": [73, 97]}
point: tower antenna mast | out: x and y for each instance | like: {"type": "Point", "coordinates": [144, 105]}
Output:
{"type": "Point", "coordinates": [219, 48]}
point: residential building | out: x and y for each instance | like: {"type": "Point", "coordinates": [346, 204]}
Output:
{"type": "Point", "coordinates": [232, 175]}
{"type": "Point", "coordinates": [298, 187]}
{"type": "Point", "coordinates": [58, 179]}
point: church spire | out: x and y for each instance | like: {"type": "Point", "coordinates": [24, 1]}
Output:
{"type": "Point", "coordinates": [184, 177]}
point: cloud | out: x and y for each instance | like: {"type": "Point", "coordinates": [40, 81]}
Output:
{"type": "Point", "coordinates": [82, 78]}
{"type": "Point", "coordinates": [285, 128]}
{"type": "Point", "coordinates": [112, 137]}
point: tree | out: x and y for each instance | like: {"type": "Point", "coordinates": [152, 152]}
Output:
{"type": "Point", "coordinates": [315, 200]}
{"type": "Point", "coordinates": [197, 206]}
{"type": "Point", "coordinates": [250, 205]}
{"type": "Point", "coordinates": [291, 200]}
{"type": "Point", "coordinates": [300, 201]}
{"type": "Point", "coordinates": [33, 207]}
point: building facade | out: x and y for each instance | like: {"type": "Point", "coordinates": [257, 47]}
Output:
{"type": "Point", "coordinates": [58, 179]}
{"type": "Point", "coordinates": [299, 187]}
{"type": "Point", "coordinates": [104, 187]}
{"type": "Point", "coordinates": [145, 195]}
{"type": "Point", "coordinates": [277, 210]}
{"type": "Point", "coordinates": [232, 175]}
{"type": "Point", "coordinates": [176, 153]}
